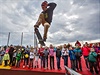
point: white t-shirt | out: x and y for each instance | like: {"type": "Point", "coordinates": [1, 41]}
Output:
{"type": "Point", "coordinates": [65, 51]}
{"type": "Point", "coordinates": [32, 55]}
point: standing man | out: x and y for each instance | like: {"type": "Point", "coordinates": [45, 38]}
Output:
{"type": "Point", "coordinates": [11, 52]}
{"type": "Point", "coordinates": [45, 17]}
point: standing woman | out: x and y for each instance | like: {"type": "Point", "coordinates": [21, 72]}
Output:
{"type": "Point", "coordinates": [51, 53]}
{"type": "Point", "coordinates": [36, 52]}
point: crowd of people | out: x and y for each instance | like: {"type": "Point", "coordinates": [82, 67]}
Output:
{"type": "Point", "coordinates": [30, 56]}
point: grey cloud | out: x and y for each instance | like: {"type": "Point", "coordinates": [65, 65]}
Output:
{"type": "Point", "coordinates": [20, 16]}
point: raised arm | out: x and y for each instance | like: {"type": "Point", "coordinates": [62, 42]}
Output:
{"type": "Point", "coordinates": [52, 6]}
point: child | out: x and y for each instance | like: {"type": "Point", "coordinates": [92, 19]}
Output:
{"type": "Point", "coordinates": [58, 56]}
{"type": "Point", "coordinates": [41, 49]}
{"type": "Point", "coordinates": [32, 56]}
{"type": "Point", "coordinates": [72, 58]}
{"type": "Point", "coordinates": [36, 52]}
{"type": "Point", "coordinates": [51, 53]}
{"type": "Point", "coordinates": [2, 52]}
{"type": "Point", "coordinates": [6, 59]}
{"type": "Point", "coordinates": [78, 54]}
{"type": "Point", "coordinates": [14, 58]}
{"type": "Point", "coordinates": [98, 57]}
{"type": "Point", "coordinates": [92, 61]}
{"type": "Point", "coordinates": [18, 58]}
{"type": "Point", "coordinates": [26, 58]}
{"type": "Point", "coordinates": [86, 50]}
{"type": "Point", "coordinates": [65, 53]}
{"type": "Point", "coordinates": [46, 53]}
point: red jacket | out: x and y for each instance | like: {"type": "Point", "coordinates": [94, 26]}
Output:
{"type": "Point", "coordinates": [41, 51]}
{"type": "Point", "coordinates": [85, 51]}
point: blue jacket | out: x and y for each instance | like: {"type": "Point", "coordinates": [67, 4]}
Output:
{"type": "Point", "coordinates": [72, 55]}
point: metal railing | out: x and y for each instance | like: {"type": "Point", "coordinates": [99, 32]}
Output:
{"type": "Point", "coordinates": [71, 72]}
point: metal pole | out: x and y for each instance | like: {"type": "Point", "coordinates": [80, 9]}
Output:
{"type": "Point", "coordinates": [8, 39]}
{"type": "Point", "coordinates": [22, 39]}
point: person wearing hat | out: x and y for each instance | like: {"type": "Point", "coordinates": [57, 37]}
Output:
{"type": "Point", "coordinates": [45, 17]}
{"type": "Point", "coordinates": [78, 54]}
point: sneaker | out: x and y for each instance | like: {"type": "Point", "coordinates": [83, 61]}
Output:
{"type": "Point", "coordinates": [36, 26]}
{"type": "Point", "coordinates": [23, 66]}
{"type": "Point", "coordinates": [44, 39]}
{"type": "Point", "coordinates": [35, 67]}
{"type": "Point", "coordinates": [27, 65]}
{"type": "Point", "coordinates": [80, 69]}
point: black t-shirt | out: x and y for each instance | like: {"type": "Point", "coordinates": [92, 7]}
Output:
{"type": "Point", "coordinates": [49, 12]}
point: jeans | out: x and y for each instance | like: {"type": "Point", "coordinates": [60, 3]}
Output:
{"type": "Point", "coordinates": [45, 62]}
{"type": "Point", "coordinates": [86, 61]}
{"type": "Point", "coordinates": [51, 62]}
{"type": "Point", "coordinates": [26, 60]}
{"type": "Point", "coordinates": [11, 59]}
{"type": "Point", "coordinates": [65, 60]}
{"type": "Point", "coordinates": [1, 57]}
{"type": "Point", "coordinates": [73, 62]}
{"type": "Point", "coordinates": [18, 63]}
{"type": "Point", "coordinates": [78, 64]}
{"type": "Point", "coordinates": [42, 59]}
{"type": "Point", "coordinates": [93, 65]}
{"type": "Point", "coordinates": [58, 62]}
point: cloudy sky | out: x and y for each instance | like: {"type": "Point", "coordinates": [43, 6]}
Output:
{"type": "Point", "coordinates": [72, 20]}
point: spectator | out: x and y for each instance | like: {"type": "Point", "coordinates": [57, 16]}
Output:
{"type": "Point", "coordinates": [32, 57]}
{"type": "Point", "coordinates": [85, 50]}
{"type": "Point", "coordinates": [6, 59]}
{"type": "Point", "coordinates": [2, 52]}
{"type": "Point", "coordinates": [51, 53]}
{"type": "Point", "coordinates": [26, 58]}
{"type": "Point", "coordinates": [11, 54]}
{"type": "Point", "coordinates": [36, 52]}
{"type": "Point", "coordinates": [14, 57]}
{"type": "Point", "coordinates": [72, 58]}
{"type": "Point", "coordinates": [46, 53]}
{"type": "Point", "coordinates": [98, 57]}
{"type": "Point", "coordinates": [78, 54]}
{"type": "Point", "coordinates": [41, 49]}
{"type": "Point", "coordinates": [58, 57]}
{"type": "Point", "coordinates": [18, 58]}
{"type": "Point", "coordinates": [92, 61]}
{"type": "Point", "coordinates": [65, 53]}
